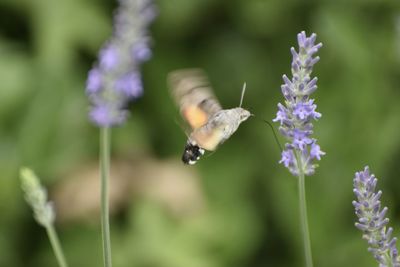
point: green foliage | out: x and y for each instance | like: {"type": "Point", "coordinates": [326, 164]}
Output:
{"type": "Point", "coordinates": [251, 216]}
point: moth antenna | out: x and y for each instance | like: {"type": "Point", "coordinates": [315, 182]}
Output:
{"type": "Point", "coordinates": [241, 98]}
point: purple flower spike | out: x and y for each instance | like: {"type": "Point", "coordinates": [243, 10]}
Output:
{"type": "Point", "coordinates": [372, 221]}
{"type": "Point", "coordinates": [299, 111]}
{"type": "Point", "coordinates": [116, 80]}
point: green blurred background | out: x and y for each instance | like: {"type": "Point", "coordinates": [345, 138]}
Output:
{"type": "Point", "coordinates": [235, 208]}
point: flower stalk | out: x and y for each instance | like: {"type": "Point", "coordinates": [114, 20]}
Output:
{"type": "Point", "coordinates": [304, 221]}
{"type": "Point", "coordinates": [104, 177]}
{"type": "Point", "coordinates": [56, 245]}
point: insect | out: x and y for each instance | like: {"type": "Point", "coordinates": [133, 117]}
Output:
{"type": "Point", "coordinates": [210, 124]}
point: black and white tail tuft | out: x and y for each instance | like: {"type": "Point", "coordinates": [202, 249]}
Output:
{"type": "Point", "coordinates": [192, 153]}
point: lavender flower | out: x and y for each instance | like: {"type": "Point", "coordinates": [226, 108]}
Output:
{"type": "Point", "coordinates": [372, 220]}
{"type": "Point", "coordinates": [115, 79]}
{"type": "Point", "coordinates": [296, 116]}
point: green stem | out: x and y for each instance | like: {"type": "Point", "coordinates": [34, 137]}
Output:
{"type": "Point", "coordinates": [55, 243]}
{"type": "Point", "coordinates": [105, 133]}
{"type": "Point", "coordinates": [303, 214]}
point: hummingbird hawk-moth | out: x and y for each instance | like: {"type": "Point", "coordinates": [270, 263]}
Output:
{"type": "Point", "coordinates": [210, 124]}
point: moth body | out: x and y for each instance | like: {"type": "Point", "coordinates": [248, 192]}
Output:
{"type": "Point", "coordinates": [219, 128]}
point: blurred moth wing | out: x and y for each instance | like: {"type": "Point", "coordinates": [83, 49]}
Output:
{"type": "Point", "coordinates": [191, 91]}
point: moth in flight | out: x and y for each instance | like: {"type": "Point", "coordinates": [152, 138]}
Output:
{"type": "Point", "coordinates": [210, 124]}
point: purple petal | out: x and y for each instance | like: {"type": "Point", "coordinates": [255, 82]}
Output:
{"type": "Point", "coordinates": [141, 52]}
{"type": "Point", "coordinates": [287, 158]}
{"type": "Point", "coordinates": [130, 85]}
{"type": "Point", "coordinates": [109, 58]}
{"type": "Point", "coordinates": [94, 81]}
{"type": "Point", "coordinates": [315, 151]}
{"type": "Point", "coordinates": [105, 116]}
